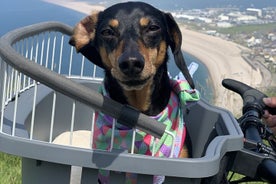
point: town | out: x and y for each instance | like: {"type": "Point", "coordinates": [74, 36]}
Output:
{"type": "Point", "coordinates": [251, 27]}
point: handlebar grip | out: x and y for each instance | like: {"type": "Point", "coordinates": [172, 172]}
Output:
{"type": "Point", "coordinates": [235, 86]}
{"type": "Point", "coordinates": [251, 96]}
{"type": "Point", "coordinates": [133, 118]}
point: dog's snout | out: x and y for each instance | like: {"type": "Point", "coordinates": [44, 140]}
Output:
{"type": "Point", "coordinates": [131, 66]}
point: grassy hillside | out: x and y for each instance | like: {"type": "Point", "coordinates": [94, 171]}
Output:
{"type": "Point", "coordinates": [247, 29]}
{"type": "Point", "coordinates": [10, 169]}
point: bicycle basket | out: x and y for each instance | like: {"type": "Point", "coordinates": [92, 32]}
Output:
{"type": "Point", "coordinates": [37, 71]}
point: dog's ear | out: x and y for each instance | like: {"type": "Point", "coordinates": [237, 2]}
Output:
{"type": "Point", "coordinates": [175, 41]}
{"type": "Point", "coordinates": [83, 38]}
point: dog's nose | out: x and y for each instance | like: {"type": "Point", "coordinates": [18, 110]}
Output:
{"type": "Point", "coordinates": [131, 66]}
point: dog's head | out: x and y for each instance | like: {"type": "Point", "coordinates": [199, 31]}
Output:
{"type": "Point", "coordinates": [130, 40]}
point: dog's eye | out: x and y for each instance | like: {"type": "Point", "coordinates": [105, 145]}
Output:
{"type": "Point", "coordinates": [107, 32]}
{"type": "Point", "coordinates": [153, 28]}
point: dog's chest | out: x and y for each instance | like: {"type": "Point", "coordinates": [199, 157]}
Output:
{"type": "Point", "coordinates": [171, 116]}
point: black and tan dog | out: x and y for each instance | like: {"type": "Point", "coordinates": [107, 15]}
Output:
{"type": "Point", "coordinates": [130, 41]}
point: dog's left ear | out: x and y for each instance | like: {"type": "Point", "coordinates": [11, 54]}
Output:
{"type": "Point", "coordinates": [83, 39]}
{"type": "Point", "coordinates": [175, 41]}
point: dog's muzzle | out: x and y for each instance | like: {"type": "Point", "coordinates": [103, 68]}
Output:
{"type": "Point", "coordinates": [131, 64]}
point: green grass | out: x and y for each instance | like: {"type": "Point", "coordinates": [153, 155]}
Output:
{"type": "Point", "coordinates": [271, 91]}
{"type": "Point", "coordinates": [10, 169]}
{"type": "Point", "coordinates": [247, 29]}
{"type": "Point", "coordinates": [239, 29]}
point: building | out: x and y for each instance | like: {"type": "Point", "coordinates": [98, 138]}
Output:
{"type": "Point", "coordinates": [224, 24]}
{"type": "Point", "coordinates": [254, 12]}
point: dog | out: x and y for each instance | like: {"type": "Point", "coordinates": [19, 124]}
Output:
{"type": "Point", "coordinates": [130, 41]}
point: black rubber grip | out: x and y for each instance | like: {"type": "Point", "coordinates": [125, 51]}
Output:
{"type": "Point", "coordinates": [249, 95]}
{"type": "Point", "coordinates": [133, 118]}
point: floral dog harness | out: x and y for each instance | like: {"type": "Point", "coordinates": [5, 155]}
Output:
{"type": "Point", "coordinates": [171, 116]}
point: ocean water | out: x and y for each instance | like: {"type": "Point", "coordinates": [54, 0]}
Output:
{"type": "Point", "coordinates": [18, 13]}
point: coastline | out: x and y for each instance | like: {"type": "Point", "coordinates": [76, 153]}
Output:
{"type": "Point", "coordinates": [222, 58]}
{"type": "Point", "coordinates": [80, 6]}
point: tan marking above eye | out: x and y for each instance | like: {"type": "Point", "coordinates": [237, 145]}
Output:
{"type": "Point", "coordinates": [114, 23]}
{"type": "Point", "coordinates": [144, 21]}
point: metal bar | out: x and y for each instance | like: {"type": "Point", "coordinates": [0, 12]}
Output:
{"type": "Point", "coordinates": [5, 68]}
{"type": "Point", "coordinates": [53, 116]}
{"type": "Point", "coordinates": [11, 84]}
{"type": "Point", "coordinates": [42, 50]}
{"type": "Point", "coordinates": [26, 55]}
{"type": "Point", "coordinates": [31, 57]}
{"type": "Point", "coordinates": [36, 50]}
{"type": "Point", "coordinates": [92, 129]}
{"type": "Point", "coordinates": [32, 49]}
{"type": "Point", "coordinates": [94, 71]}
{"type": "Point", "coordinates": [26, 48]}
{"type": "Point", "coordinates": [33, 112]}
{"type": "Point", "coordinates": [47, 50]}
{"type": "Point", "coordinates": [17, 84]}
{"type": "Point", "coordinates": [72, 122]}
{"type": "Point", "coordinates": [112, 134]}
{"type": "Point", "coordinates": [133, 141]}
{"type": "Point", "coordinates": [70, 61]}
{"type": "Point", "coordinates": [8, 83]}
{"type": "Point", "coordinates": [82, 66]}
{"type": "Point", "coordinates": [60, 54]}
{"type": "Point", "coordinates": [53, 52]}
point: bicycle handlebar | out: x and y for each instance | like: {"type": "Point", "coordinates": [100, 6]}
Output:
{"type": "Point", "coordinates": [252, 133]}
{"type": "Point", "coordinates": [251, 97]}
{"type": "Point", "coordinates": [267, 169]}
{"type": "Point", "coordinates": [253, 109]}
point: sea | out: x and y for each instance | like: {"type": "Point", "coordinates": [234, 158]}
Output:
{"type": "Point", "coordinates": [18, 13]}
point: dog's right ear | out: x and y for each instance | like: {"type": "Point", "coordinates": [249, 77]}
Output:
{"type": "Point", "coordinates": [175, 41]}
{"type": "Point", "coordinates": [83, 38]}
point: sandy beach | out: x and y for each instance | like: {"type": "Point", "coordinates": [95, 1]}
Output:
{"type": "Point", "coordinates": [222, 58]}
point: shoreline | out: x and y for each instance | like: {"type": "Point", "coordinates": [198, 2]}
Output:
{"type": "Point", "coordinates": [223, 59]}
